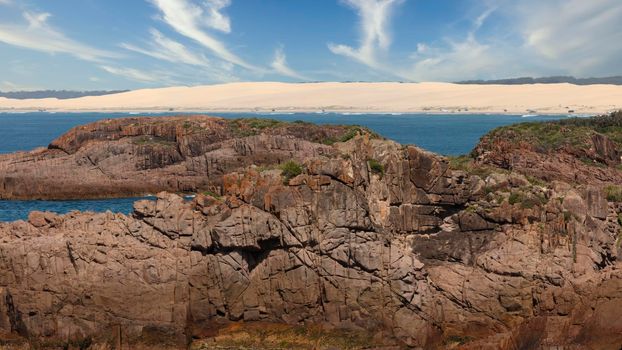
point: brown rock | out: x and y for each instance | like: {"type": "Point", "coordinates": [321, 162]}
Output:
{"type": "Point", "coordinates": [338, 246]}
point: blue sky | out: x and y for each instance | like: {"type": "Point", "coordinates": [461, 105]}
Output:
{"type": "Point", "coordinates": [128, 44]}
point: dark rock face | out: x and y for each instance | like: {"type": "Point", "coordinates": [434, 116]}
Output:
{"type": "Point", "coordinates": [417, 254]}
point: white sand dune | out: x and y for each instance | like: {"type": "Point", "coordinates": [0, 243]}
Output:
{"type": "Point", "coordinates": [346, 97]}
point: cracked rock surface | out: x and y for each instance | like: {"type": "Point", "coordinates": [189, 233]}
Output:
{"type": "Point", "coordinates": [419, 254]}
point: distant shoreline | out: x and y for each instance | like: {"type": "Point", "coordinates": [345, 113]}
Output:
{"type": "Point", "coordinates": [270, 112]}
{"type": "Point", "coordinates": [364, 98]}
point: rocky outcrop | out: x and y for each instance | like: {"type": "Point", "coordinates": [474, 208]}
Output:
{"type": "Point", "coordinates": [579, 150]}
{"type": "Point", "coordinates": [370, 235]}
{"type": "Point", "coordinates": [137, 156]}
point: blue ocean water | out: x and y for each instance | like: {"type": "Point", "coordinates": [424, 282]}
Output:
{"type": "Point", "coordinates": [448, 134]}
{"type": "Point", "coordinates": [19, 210]}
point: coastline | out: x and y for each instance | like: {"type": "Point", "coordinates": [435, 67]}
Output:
{"type": "Point", "coordinates": [364, 98]}
{"type": "Point", "coordinates": [265, 112]}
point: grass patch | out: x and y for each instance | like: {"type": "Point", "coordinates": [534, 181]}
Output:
{"type": "Point", "coordinates": [592, 162]}
{"type": "Point", "coordinates": [351, 132]}
{"type": "Point", "coordinates": [614, 193]}
{"type": "Point", "coordinates": [526, 201]}
{"type": "Point", "coordinates": [376, 167]}
{"type": "Point", "coordinates": [515, 198]}
{"type": "Point", "coordinates": [290, 170]}
{"type": "Point", "coordinates": [467, 164]}
{"type": "Point", "coordinates": [212, 194]}
{"type": "Point", "coordinates": [551, 135]}
{"type": "Point", "coordinates": [244, 127]}
{"type": "Point", "coordinates": [462, 162]}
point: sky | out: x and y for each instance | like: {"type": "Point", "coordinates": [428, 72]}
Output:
{"type": "Point", "coordinates": [131, 44]}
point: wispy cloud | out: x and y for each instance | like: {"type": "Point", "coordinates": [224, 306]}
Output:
{"type": "Point", "coordinates": [579, 36]}
{"type": "Point", "coordinates": [5, 2]}
{"type": "Point", "coordinates": [133, 74]}
{"type": "Point", "coordinates": [538, 38]}
{"type": "Point", "coordinates": [374, 17]}
{"type": "Point", "coordinates": [37, 34]}
{"type": "Point", "coordinates": [279, 64]}
{"type": "Point", "coordinates": [191, 20]}
{"type": "Point", "coordinates": [169, 50]}
{"type": "Point", "coordinates": [458, 59]}
{"type": "Point", "coordinates": [10, 86]}
{"type": "Point", "coordinates": [215, 18]}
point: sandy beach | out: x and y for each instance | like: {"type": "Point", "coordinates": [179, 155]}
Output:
{"type": "Point", "coordinates": [345, 97]}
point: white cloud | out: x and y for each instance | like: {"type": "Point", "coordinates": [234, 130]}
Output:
{"type": "Point", "coordinates": [169, 50]}
{"type": "Point", "coordinates": [538, 38]}
{"type": "Point", "coordinates": [582, 37]}
{"type": "Point", "coordinates": [464, 60]}
{"type": "Point", "coordinates": [10, 86]}
{"type": "Point", "coordinates": [192, 20]}
{"type": "Point", "coordinates": [375, 16]}
{"type": "Point", "coordinates": [459, 60]}
{"type": "Point", "coordinates": [215, 19]}
{"type": "Point", "coordinates": [38, 35]}
{"type": "Point", "coordinates": [5, 2]}
{"type": "Point", "coordinates": [279, 64]}
{"type": "Point", "coordinates": [133, 74]}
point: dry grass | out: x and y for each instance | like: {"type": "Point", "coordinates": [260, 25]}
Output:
{"type": "Point", "coordinates": [275, 336]}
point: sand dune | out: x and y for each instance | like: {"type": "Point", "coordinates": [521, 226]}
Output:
{"type": "Point", "coordinates": [347, 97]}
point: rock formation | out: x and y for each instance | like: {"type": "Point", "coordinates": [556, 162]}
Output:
{"type": "Point", "coordinates": [371, 235]}
{"type": "Point", "coordinates": [137, 156]}
{"type": "Point", "coordinates": [577, 150]}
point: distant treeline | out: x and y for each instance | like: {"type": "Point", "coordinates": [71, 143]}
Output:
{"type": "Point", "coordinates": [60, 94]}
{"type": "Point", "coordinates": [617, 80]}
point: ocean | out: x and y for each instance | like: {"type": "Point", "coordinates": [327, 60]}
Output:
{"type": "Point", "coordinates": [447, 134]}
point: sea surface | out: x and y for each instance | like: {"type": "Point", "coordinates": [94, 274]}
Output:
{"type": "Point", "coordinates": [448, 134]}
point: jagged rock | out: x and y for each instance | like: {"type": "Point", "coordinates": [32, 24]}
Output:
{"type": "Point", "coordinates": [573, 150]}
{"type": "Point", "coordinates": [606, 149]}
{"type": "Point", "coordinates": [416, 255]}
{"type": "Point", "coordinates": [137, 156]}
{"type": "Point", "coordinates": [40, 219]}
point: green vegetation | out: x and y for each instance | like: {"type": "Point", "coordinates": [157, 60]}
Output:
{"type": "Point", "coordinates": [212, 194]}
{"type": "Point", "coordinates": [614, 193]}
{"type": "Point", "coordinates": [376, 167]}
{"type": "Point", "coordinates": [290, 170]}
{"type": "Point", "coordinates": [515, 198]}
{"type": "Point", "coordinates": [574, 132]}
{"type": "Point", "coordinates": [258, 123]}
{"type": "Point", "coordinates": [467, 164]}
{"type": "Point", "coordinates": [244, 127]}
{"type": "Point", "coordinates": [526, 201]}
{"type": "Point", "coordinates": [302, 122]}
{"type": "Point", "coordinates": [536, 181]}
{"type": "Point", "coordinates": [351, 132]}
